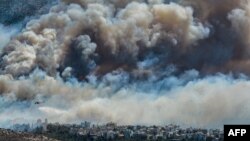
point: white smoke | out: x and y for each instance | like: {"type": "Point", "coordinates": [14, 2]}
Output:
{"type": "Point", "coordinates": [207, 102]}
{"type": "Point", "coordinates": [6, 32]}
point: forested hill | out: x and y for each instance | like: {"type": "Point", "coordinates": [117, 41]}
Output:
{"type": "Point", "coordinates": [14, 11]}
{"type": "Point", "coordinates": [9, 135]}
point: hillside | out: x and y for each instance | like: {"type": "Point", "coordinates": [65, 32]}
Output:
{"type": "Point", "coordinates": [9, 135]}
{"type": "Point", "coordinates": [14, 11]}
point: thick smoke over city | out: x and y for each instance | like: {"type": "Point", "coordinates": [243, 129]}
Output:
{"type": "Point", "coordinates": [130, 62]}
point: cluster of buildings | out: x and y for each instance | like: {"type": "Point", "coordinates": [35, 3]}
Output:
{"type": "Point", "coordinates": [111, 131]}
{"type": "Point", "coordinates": [31, 127]}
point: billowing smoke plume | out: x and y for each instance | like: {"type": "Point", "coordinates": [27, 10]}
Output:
{"type": "Point", "coordinates": [131, 62]}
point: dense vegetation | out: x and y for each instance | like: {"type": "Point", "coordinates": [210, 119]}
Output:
{"type": "Point", "coordinates": [14, 11]}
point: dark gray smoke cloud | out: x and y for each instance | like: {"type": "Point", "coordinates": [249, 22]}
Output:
{"type": "Point", "coordinates": [131, 62]}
